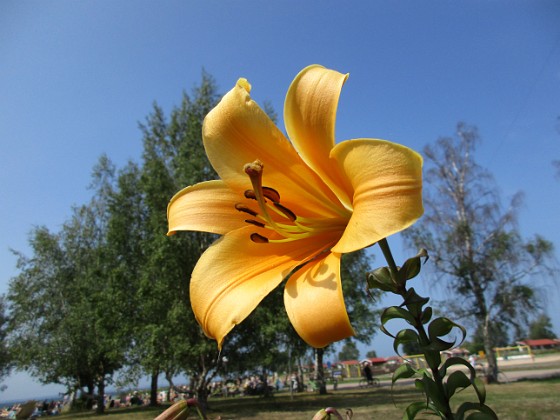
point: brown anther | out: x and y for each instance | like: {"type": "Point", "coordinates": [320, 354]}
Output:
{"type": "Point", "coordinates": [259, 239]}
{"type": "Point", "coordinates": [287, 212]}
{"type": "Point", "coordinates": [271, 194]}
{"type": "Point", "coordinates": [254, 169]}
{"type": "Point", "coordinates": [255, 222]}
{"type": "Point", "coordinates": [250, 194]}
{"type": "Point", "coordinates": [245, 209]}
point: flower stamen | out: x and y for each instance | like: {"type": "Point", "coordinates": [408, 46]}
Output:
{"type": "Point", "coordinates": [271, 194]}
{"type": "Point", "coordinates": [268, 199]}
{"type": "Point", "coordinates": [245, 209]}
{"type": "Point", "coordinates": [259, 239]}
{"type": "Point", "coordinates": [286, 211]}
{"type": "Point", "coordinates": [255, 222]}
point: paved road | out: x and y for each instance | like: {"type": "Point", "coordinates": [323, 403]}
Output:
{"type": "Point", "coordinates": [514, 370]}
{"type": "Point", "coordinates": [516, 375]}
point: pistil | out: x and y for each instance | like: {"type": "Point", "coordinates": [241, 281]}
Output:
{"type": "Point", "coordinates": [268, 200]}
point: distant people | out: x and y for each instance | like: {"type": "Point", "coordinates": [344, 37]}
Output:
{"type": "Point", "coordinates": [366, 372]}
{"type": "Point", "coordinates": [136, 399]}
{"type": "Point", "coordinates": [295, 384]}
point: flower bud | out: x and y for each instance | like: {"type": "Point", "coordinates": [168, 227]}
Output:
{"type": "Point", "coordinates": [178, 411]}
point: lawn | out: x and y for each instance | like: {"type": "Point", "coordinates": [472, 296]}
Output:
{"type": "Point", "coordinates": [518, 400]}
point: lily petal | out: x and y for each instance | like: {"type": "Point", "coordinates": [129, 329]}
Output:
{"type": "Point", "coordinates": [207, 207]}
{"type": "Point", "coordinates": [235, 274]}
{"type": "Point", "coordinates": [309, 115]}
{"type": "Point", "coordinates": [387, 182]}
{"type": "Point", "coordinates": [237, 131]}
{"type": "Point", "coordinates": [314, 302]}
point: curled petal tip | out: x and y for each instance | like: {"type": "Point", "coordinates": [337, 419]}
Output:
{"type": "Point", "coordinates": [244, 83]}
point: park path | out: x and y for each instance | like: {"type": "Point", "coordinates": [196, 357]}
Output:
{"type": "Point", "coordinates": [514, 369]}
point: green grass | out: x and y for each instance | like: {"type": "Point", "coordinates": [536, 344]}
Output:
{"type": "Point", "coordinates": [529, 399]}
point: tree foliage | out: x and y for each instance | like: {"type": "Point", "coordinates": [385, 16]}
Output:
{"type": "Point", "coordinates": [68, 298]}
{"type": "Point", "coordinates": [349, 351]}
{"type": "Point", "coordinates": [475, 246]}
{"type": "Point", "coordinates": [109, 292]}
{"type": "Point", "coordinates": [541, 327]}
{"type": "Point", "coordinates": [371, 354]}
{"type": "Point", "coordinates": [499, 333]}
{"type": "Point", "coordinates": [360, 303]}
{"type": "Point", "coordinates": [5, 355]}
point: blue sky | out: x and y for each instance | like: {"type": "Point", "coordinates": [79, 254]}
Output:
{"type": "Point", "coordinates": [76, 77]}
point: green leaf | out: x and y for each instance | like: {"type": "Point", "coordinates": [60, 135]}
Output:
{"type": "Point", "coordinates": [381, 278]}
{"type": "Point", "coordinates": [480, 389]}
{"type": "Point", "coordinates": [411, 267]}
{"type": "Point", "coordinates": [442, 326]}
{"type": "Point", "coordinates": [456, 361]}
{"type": "Point", "coordinates": [483, 410]}
{"type": "Point", "coordinates": [404, 371]}
{"type": "Point", "coordinates": [393, 312]}
{"type": "Point", "coordinates": [426, 315]}
{"type": "Point", "coordinates": [440, 345]}
{"type": "Point", "coordinates": [414, 409]}
{"type": "Point", "coordinates": [433, 393]}
{"type": "Point", "coordinates": [456, 380]}
{"type": "Point", "coordinates": [414, 302]}
{"type": "Point", "coordinates": [404, 336]}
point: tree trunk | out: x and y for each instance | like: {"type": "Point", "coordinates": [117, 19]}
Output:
{"type": "Point", "coordinates": [101, 397]}
{"type": "Point", "coordinates": [267, 390]}
{"type": "Point", "coordinates": [90, 396]}
{"type": "Point", "coordinates": [202, 395]}
{"type": "Point", "coordinates": [492, 368]}
{"type": "Point", "coordinates": [320, 371]}
{"type": "Point", "coordinates": [169, 378]}
{"type": "Point", "coordinates": [153, 388]}
{"type": "Point", "coordinates": [484, 319]}
{"type": "Point", "coordinates": [300, 376]}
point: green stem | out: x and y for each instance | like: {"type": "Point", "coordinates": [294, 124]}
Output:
{"type": "Point", "coordinates": [419, 326]}
{"type": "Point", "coordinates": [384, 245]}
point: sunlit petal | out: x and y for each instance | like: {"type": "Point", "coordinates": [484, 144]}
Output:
{"type": "Point", "coordinates": [285, 206]}
{"type": "Point", "coordinates": [387, 182]}
{"type": "Point", "coordinates": [309, 115]}
{"type": "Point", "coordinates": [206, 207]}
{"type": "Point", "coordinates": [235, 274]}
{"type": "Point", "coordinates": [314, 302]}
{"type": "Point", "coordinates": [238, 131]}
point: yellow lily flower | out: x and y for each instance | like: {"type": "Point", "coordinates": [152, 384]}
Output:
{"type": "Point", "coordinates": [290, 209]}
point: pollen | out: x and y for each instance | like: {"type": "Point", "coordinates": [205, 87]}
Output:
{"type": "Point", "coordinates": [243, 208]}
{"type": "Point", "coordinates": [259, 239]}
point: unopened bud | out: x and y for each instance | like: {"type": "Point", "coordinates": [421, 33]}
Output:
{"type": "Point", "coordinates": [178, 411]}
{"type": "Point", "coordinates": [321, 415]}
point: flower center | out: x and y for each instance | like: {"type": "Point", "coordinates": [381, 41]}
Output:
{"type": "Point", "coordinates": [280, 221]}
